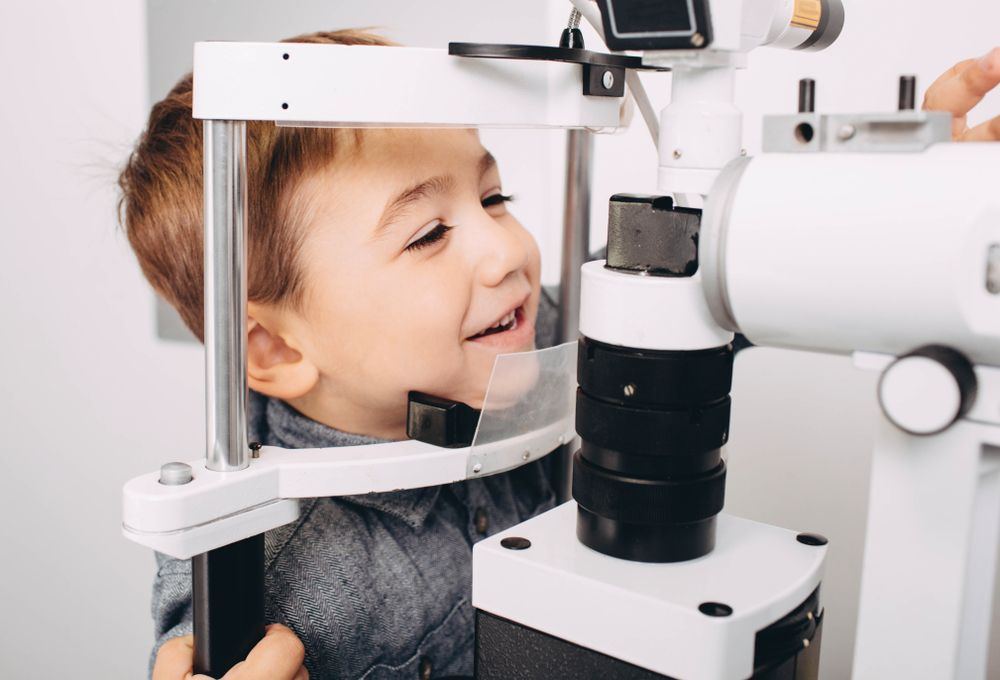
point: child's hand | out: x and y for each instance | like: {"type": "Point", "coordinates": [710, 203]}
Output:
{"type": "Point", "coordinates": [278, 656]}
{"type": "Point", "coordinates": [960, 89]}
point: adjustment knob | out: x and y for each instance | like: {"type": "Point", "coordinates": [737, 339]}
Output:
{"type": "Point", "coordinates": [926, 391]}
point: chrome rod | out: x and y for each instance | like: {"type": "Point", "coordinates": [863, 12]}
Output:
{"type": "Point", "coordinates": [225, 295]}
{"type": "Point", "coordinates": [575, 251]}
{"type": "Point", "coordinates": [576, 229]}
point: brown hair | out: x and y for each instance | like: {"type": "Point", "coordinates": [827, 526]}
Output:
{"type": "Point", "coordinates": [161, 204]}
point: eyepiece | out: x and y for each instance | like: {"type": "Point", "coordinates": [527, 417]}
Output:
{"type": "Point", "coordinates": [826, 28]}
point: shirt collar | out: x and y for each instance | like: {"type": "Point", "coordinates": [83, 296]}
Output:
{"type": "Point", "coordinates": [275, 423]}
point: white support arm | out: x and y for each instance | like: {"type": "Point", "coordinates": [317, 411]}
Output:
{"type": "Point", "coordinates": [363, 86]}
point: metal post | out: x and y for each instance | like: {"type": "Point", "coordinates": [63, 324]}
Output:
{"type": "Point", "coordinates": [227, 583]}
{"type": "Point", "coordinates": [225, 295]}
{"type": "Point", "coordinates": [576, 251]}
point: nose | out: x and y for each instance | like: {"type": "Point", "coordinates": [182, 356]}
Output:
{"type": "Point", "coordinates": [501, 250]}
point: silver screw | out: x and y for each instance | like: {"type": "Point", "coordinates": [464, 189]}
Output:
{"type": "Point", "coordinates": [678, 153]}
{"type": "Point", "coordinates": [175, 474]}
{"type": "Point", "coordinates": [608, 79]}
{"type": "Point", "coordinates": [743, 152]}
{"type": "Point", "coordinates": [630, 390]}
{"type": "Point", "coordinates": [526, 455]}
{"type": "Point", "coordinates": [697, 40]}
{"type": "Point", "coordinates": [846, 132]}
{"type": "Point", "coordinates": [477, 468]}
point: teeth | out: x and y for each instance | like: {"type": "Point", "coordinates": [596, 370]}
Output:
{"type": "Point", "coordinates": [508, 318]}
{"type": "Point", "coordinates": [508, 322]}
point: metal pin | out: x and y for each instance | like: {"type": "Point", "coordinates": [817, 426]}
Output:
{"type": "Point", "coordinates": [629, 390]}
{"type": "Point", "coordinates": [805, 643]}
{"type": "Point", "coordinates": [907, 93]}
{"type": "Point", "coordinates": [526, 455]}
{"type": "Point", "coordinates": [477, 468]}
{"type": "Point", "coordinates": [697, 40]}
{"type": "Point", "coordinates": [807, 95]}
{"type": "Point", "coordinates": [608, 79]}
{"type": "Point", "coordinates": [678, 153]}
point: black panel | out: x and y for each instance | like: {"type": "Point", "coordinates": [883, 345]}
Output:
{"type": "Point", "coordinates": [788, 649]}
{"type": "Point", "coordinates": [645, 16]}
{"type": "Point", "coordinates": [509, 651]}
{"type": "Point", "coordinates": [656, 24]}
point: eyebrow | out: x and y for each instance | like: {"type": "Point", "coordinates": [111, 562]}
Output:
{"type": "Point", "coordinates": [432, 186]}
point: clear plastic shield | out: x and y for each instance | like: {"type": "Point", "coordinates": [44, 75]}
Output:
{"type": "Point", "coordinates": [528, 411]}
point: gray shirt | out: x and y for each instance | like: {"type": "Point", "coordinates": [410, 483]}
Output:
{"type": "Point", "coordinates": [376, 586]}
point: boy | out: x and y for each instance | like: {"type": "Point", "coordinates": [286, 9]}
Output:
{"type": "Point", "coordinates": [380, 261]}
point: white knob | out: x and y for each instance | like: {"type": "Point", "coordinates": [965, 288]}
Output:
{"type": "Point", "coordinates": [926, 391]}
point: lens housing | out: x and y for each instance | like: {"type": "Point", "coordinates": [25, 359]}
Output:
{"type": "Point", "coordinates": [649, 478]}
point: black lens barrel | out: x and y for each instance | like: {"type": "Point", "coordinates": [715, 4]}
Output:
{"type": "Point", "coordinates": [649, 478]}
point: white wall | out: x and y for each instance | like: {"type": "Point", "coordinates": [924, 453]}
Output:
{"type": "Point", "coordinates": [91, 398]}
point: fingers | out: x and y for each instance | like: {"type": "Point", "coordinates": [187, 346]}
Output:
{"type": "Point", "coordinates": [175, 660]}
{"type": "Point", "coordinates": [963, 86]}
{"type": "Point", "coordinates": [985, 132]}
{"type": "Point", "coordinates": [278, 656]}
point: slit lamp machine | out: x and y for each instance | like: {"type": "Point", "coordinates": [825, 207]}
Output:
{"type": "Point", "coordinates": [868, 235]}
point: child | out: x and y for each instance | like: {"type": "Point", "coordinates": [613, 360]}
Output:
{"type": "Point", "coordinates": [380, 262]}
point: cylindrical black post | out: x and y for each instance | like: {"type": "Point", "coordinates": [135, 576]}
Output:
{"type": "Point", "coordinates": [228, 590]}
{"type": "Point", "coordinates": [649, 478]}
{"type": "Point", "coordinates": [807, 95]}
{"type": "Point", "coordinates": [907, 93]}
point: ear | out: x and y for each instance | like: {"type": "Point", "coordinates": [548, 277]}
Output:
{"type": "Point", "coordinates": [275, 365]}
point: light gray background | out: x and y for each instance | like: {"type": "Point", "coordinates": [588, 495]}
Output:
{"type": "Point", "coordinates": [91, 397]}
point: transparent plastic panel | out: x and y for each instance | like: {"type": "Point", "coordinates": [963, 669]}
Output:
{"type": "Point", "coordinates": [528, 411]}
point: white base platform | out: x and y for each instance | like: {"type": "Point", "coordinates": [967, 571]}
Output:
{"type": "Point", "coordinates": [647, 614]}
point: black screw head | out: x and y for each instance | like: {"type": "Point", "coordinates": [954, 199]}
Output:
{"type": "Point", "coordinates": [811, 539]}
{"type": "Point", "coordinates": [715, 609]}
{"type": "Point", "coordinates": [515, 543]}
{"type": "Point", "coordinates": [285, 56]}
{"type": "Point", "coordinates": [284, 105]}
{"type": "Point", "coordinates": [255, 446]}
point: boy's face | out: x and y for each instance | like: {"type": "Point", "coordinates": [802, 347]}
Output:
{"type": "Point", "coordinates": [416, 277]}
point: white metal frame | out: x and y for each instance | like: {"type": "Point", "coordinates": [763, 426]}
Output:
{"type": "Point", "coordinates": [931, 546]}
{"type": "Point", "coordinates": [217, 508]}
{"type": "Point", "coordinates": [333, 85]}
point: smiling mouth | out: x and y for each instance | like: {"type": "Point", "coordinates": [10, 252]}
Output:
{"type": "Point", "coordinates": [509, 322]}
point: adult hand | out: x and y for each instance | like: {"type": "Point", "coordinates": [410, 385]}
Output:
{"type": "Point", "coordinates": [962, 87]}
{"type": "Point", "coordinates": [278, 656]}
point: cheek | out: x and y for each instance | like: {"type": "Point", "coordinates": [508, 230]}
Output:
{"type": "Point", "coordinates": [420, 313]}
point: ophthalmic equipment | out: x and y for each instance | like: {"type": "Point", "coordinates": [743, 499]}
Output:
{"type": "Point", "coordinates": [870, 235]}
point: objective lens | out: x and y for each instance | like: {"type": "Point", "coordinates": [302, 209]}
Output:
{"type": "Point", "coordinates": [649, 478]}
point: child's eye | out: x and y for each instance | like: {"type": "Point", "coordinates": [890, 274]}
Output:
{"type": "Point", "coordinates": [431, 237]}
{"type": "Point", "coordinates": [496, 199]}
